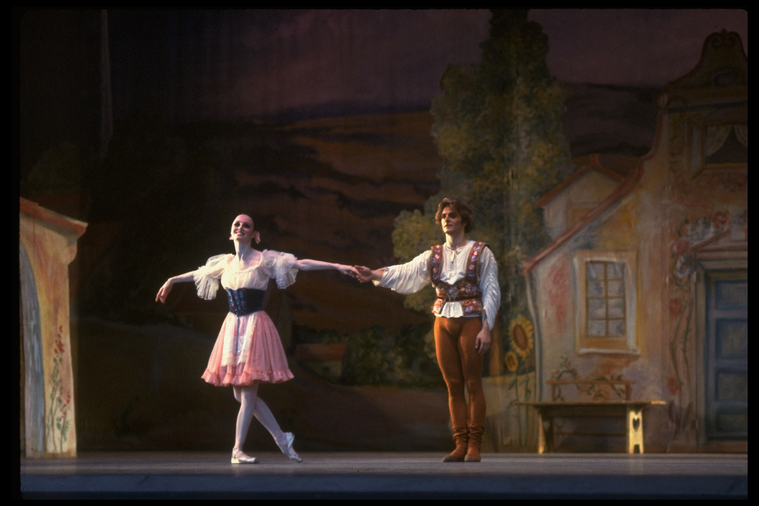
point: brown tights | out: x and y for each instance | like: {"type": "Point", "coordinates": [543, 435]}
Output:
{"type": "Point", "coordinates": [461, 367]}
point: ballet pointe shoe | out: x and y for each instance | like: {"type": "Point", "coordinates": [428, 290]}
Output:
{"type": "Point", "coordinates": [241, 458]}
{"type": "Point", "coordinates": [285, 443]}
{"type": "Point", "coordinates": [460, 438]}
{"type": "Point", "coordinates": [475, 441]}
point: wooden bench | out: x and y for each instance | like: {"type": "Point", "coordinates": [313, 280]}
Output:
{"type": "Point", "coordinates": [631, 411]}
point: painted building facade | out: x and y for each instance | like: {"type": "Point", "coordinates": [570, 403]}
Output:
{"type": "Point", "coordinates": [646, 279]}
{"type": "Point", "coordinates": [47, 245]}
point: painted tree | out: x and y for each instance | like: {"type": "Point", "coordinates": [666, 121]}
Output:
{"type": "Point", "coordinates": [497, 127]}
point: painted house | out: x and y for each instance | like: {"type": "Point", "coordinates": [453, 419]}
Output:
{"type": "Point", "coordinates": [646, 279]}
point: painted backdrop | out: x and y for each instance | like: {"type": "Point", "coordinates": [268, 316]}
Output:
{"type": "Point", "coordinates": [158, 127]}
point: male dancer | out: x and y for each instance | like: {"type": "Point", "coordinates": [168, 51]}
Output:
{"type": "Point", "coordinates": [465, 276]}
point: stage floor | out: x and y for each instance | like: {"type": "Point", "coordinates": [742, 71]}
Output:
{"type": "Point", "coordinates": [193, 475]}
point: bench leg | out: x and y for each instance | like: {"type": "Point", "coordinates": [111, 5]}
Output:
{"type": "Point", "coordinates": [545, 433]}
{"type": "Point", "coordinates": [541, 434]}
{"type": "Point", "coordinates": [634, 430]}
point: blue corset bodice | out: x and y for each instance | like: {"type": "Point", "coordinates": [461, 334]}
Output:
{"type": "Point", "coordinates": [245, 300]}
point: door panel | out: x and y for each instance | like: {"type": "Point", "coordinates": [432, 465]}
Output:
{"type": "Point", "coordinates": [727, 355]}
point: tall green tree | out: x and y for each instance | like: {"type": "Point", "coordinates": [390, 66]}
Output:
{"type": "Point", "coordinates": [497, 127]}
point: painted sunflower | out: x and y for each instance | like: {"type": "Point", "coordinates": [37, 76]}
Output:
{"type": "Point", "coordinates": [512, 362]}
{"type": "Point", "coordinates": [521, 336]}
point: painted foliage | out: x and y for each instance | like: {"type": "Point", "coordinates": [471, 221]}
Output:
{"type": "Point", "coordinates": [498, 130]}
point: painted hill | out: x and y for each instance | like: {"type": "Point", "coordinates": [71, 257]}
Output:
{"type": "Point", "coordinates": [369, 168]}
{"type": "Point", "coordinates": [326, 188]}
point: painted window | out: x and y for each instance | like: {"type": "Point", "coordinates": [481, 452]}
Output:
{"type": "Point", "coordinates": [605, 298]}
{"type": "Point", "coordinates": [718, 146]}
{"type": "Point", "coordinates": [605, 302]}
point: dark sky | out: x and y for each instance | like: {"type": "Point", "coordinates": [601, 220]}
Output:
{"type": "Point", "coordinates": [261, 62]}
{"type": "Point", "coordinates": [637, 47]}
{"type": "Point", "coordinates": [295, 64]}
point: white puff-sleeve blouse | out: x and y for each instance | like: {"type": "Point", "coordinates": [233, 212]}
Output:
{"type": "Point", "coordinates": [414, 275]}
{"type": "Point", "coordinates": [222, 269]}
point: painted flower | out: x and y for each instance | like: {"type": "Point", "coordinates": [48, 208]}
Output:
{"type": "Point", "coordinates": [680, 247]}
{"type": "Point", "coordinates": [512, 362]}
{"type": "Point", "coordinates": [720, 219]}
{"type": "Point", "coordinates": [673, 385]}
{"type": "Point", "coordinates": [675, 307]}
{"type": "Point", "coordinates": [684, 228]}
{"type": "Point", "coordinates": [521, 336]}
{"type": "Point", "coordinates": [684, 267]}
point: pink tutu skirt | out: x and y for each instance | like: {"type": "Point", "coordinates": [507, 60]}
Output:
{"type": "Point", "coordinates": [247, 350]}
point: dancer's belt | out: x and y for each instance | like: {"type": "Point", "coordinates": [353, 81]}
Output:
{"type": "Point", "coordinates": [245, 300]}
{"type": "Point", "coordinates": [458, 298]}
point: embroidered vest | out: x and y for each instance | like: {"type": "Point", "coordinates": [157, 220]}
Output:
{"type": "Point", "coordinates": [245, 301]}
{"type": "Point", "coordinates": [466, 290]}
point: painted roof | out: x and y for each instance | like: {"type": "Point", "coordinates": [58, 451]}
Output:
{"type": "Point", "coordinates": [593, 164]}
{"type": "Point", "coordinates": [720, 75]}
{"type": "Point", "coordinates": [621, 190]}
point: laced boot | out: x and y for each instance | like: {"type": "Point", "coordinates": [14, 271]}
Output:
{"type": "Point", "coordinates": [475, 441]}
{"type": "Point", "coordinates": [459, 437]}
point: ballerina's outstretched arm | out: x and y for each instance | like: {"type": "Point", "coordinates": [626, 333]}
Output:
{"type": "Point", "coordinates": [317, 265]}
{"type": "Point", "coordinates": [166, 288]}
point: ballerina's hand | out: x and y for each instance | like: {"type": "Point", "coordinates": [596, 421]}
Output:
{"type": "Point", "coordinates": [163, 292]}
{"type": "Point", "coordinates": [348, 270]}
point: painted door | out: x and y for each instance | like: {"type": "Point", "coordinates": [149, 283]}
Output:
{"type": "Point", "coordinates": [727, 355]}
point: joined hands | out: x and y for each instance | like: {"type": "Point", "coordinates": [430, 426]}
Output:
{"type": "Point", "coordinates": [363, 274]}
{"type": "Point", "coordinates": [348, 270]}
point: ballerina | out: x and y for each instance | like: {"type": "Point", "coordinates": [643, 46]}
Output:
{"type": "Point", "coordinates": [248, 350]}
